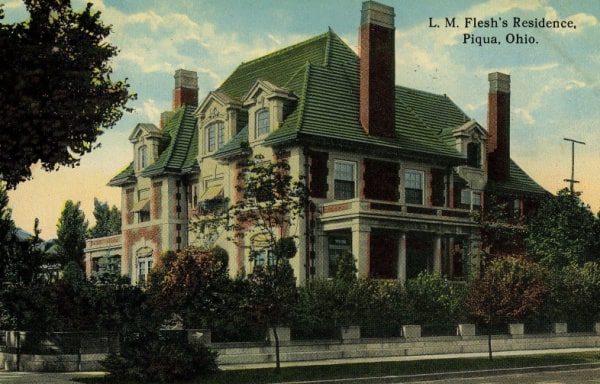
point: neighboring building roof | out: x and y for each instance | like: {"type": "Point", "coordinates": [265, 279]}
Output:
{"type": "Point", "coordinates": [519, 184]}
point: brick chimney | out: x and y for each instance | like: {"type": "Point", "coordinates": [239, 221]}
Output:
{"type": "Point", "coordinates": [376, 49]}
{"type": "Point", "coordinates": [186, 88]}
{"type": "Point", "coordinates": [498, 145]}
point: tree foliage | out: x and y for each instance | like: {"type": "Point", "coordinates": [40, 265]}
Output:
{"type": "Point", "coordinates": [509, 289]}
{"type": "Point", "coordinates": [108, 220]}
{"type": "Point", "coordinates": [56, 91]}
{"type": "Point", "coordinates": [564, 232]}
{"type": "Point", "coordinates": [71, 230]}
{"type": "Point", "coordinates": [270, 200]}
{"type": "Point", "coordinates": [21, 259]}
{"type": "Point", "coordinates": [192, 285]}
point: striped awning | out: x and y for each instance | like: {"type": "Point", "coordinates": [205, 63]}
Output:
{"type": "Point", "coordinates": [142, 205]}
{"type": "Point", "coordinates": [212, 193]}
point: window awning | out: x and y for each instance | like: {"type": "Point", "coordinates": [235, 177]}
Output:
{"type": "Point", "coordinates": [212, 193]}
{"type": "Point", "coordinates": [142, 205]}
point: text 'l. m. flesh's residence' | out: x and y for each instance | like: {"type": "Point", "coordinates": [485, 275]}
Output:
{"type": "Point", "coordinates": [394, 173]}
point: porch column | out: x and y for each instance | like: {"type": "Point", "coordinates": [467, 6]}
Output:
{"type": "Point", "coordinates": [360, 248]}
{"type": "Point", "coordinates": [437, 254]}
{"type": "Point", "coordinates": [402, 258]}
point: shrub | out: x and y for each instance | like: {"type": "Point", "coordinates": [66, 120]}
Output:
{"type": "Point", "coordinates": [574, 295]}
{"type": "Point", "coordinates": [151, 357]}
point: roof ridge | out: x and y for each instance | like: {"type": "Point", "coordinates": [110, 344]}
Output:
{"type": "Point", "coordinates": [284, 50]}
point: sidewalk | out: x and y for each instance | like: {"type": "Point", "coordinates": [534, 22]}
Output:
{"type": "Point", "coordinates": [68, 378]}
{"type": "Point", "coordinates": [406, 358]}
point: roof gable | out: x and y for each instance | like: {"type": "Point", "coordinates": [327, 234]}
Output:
{"type": "Point", "coordinates": [182, 149]}
{"type": "Point", "coordinates": [144, 129]}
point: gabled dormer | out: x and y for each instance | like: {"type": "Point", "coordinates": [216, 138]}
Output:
{"type": "Point", "coordinates": [219, 119]}
{"type": "Point", "coordinates": [268, 106]}
{"type": "Point", "coordinates": [146, 139]}
{"type": "Point", "coordinates": [471, 140]}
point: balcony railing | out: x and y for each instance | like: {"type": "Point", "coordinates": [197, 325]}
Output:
{"type": "Point", "coordinates": [394, 209]}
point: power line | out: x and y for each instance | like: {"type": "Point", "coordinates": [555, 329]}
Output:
{"type": "Point", "coordinates": [572, 180]}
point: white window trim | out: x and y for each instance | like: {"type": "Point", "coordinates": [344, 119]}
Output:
{"type": "Point", "coordinates": [423, 184]}
{"type": "Point", "coordinates": [260, 111]}
{"type": "Point", "coordinates": [354, 175]}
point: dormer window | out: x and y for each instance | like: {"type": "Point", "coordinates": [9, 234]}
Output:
{"type": "Point", "coordinates": [215, 136]}
{"type": "Point", "coordinates": [262, 122]}
{"type": "Point", "coordinates": [474, 155]}
{"type": "Point", "coordinates": [142, 157]}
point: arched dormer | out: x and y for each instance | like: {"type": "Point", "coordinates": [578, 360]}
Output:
{"type": "Point", "coordinates": [268, 106]}
{"type": "Point", "coordinates": [218, 122]}
{"type": "Point", "coordinates": [146, 140]}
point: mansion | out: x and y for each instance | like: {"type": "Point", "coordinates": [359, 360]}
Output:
{"type": "Point", "coordinates": [394, 174]}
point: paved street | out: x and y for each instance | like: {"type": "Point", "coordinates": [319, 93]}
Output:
{"type": "Point", "coordinates": [580, 376]}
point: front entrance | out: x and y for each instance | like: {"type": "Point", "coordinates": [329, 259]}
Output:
{"type": "Point", "coordinates": [419, 254]}
{"type": "Point", "coordinates": [383, 260]}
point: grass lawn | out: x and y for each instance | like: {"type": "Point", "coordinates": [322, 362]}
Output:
{"type": "Point", "coordinates": [340, 371]}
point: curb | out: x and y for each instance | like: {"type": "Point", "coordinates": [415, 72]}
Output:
{"type": "Point", "coordinates": [449, 375]}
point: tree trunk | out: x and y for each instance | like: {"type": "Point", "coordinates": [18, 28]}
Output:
{"type": "Point", "coordinates": [277, 361]}
{"type": "Point", "coordinates": [490, 342]}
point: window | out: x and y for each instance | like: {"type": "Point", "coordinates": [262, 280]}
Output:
{"type": "Point", "coordinates": [211, 137]}
{"type": "Point", "coordinates": [344, 177]}
{"type": "Point", "coordinates": [142, 157]}
{"type": "Point", "coordinates": [470, 199]}
{"type": "Point", "coordinates": [220, 134]}
{"type": "Point", "coordinates": [413, 186]}
{"type": "Point", "coordinates": [144, 267]}
{"type": "Point", "coordinates": [263, 257]}
{"type": "Point", "coordinates": [339, 244]}
{"type": "Point", "coordinates": [474, 155]}
{"type": "Point", "coordinates": [516, 208]}
{"type": "Point", "coordinates": [262, 122]}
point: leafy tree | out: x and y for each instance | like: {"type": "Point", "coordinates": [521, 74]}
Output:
{"type": "Point", "coordinates": [7, 237]}
{"type": "Point", "coordinates": [564, 232]}
{"type": "Point", "coordinates": [71, 231]}
{"type": "Point", "coordinates": [21, 259]}
{"type": "Point", "coordinates": [574, 295]}
{"type": "Point", "coordinates": [502, 233]}
{"type": "Point", "coordinates": [193, 286]}
{"type": "Point", "coordinates": [56, 92]}
{"type": "Point", "coordinates": [270, 202]}
{"type": "Point", "coordinates": [509, 289]}
{"type": "Point", "coordinates": [108, 220]}
{"type": "Point", "coordinates": [272, 296]}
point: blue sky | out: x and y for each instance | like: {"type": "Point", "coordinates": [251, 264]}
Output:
{"type": "Point", "coordinates": [555, 82]}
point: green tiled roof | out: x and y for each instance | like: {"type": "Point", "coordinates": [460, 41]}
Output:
{"type": "Point", "coordinates": [123, 177]}
{"type": "Point", "coordinates": [234, 145]}
{"type": "Point", "coordinates": [182, 150]}
{"type": "Point", "coordinates": [179, 149]}
{"type": "Point", "coordinates": [518, 184]}
{"type": "Point", "coordinates": [329, 106]}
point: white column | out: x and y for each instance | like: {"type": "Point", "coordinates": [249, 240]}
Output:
{"type": "Point", "coordinates": [360, 248]}
{"type": "Point", "coordinates": [402, 258]}
{"type": "Point", "coordinates": [437, 254]}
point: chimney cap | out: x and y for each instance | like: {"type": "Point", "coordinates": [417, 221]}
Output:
{"type": "Point", "coordinates": [186, 79]}
{"type": "Point", "coordinates": [378, 14]}
{"type": "Point", "coordinates": [499, 82]}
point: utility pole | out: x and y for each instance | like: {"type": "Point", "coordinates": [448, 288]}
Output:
{"type": "Point", "coordinates": [572, 179]}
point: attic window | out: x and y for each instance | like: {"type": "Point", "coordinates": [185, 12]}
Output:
{"type": "Point", "coordinates": [262, 122]}
{"type": "Point", "coordinates": [142, 157]}
{"type": "Point", "coordinates": [474, 155]}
